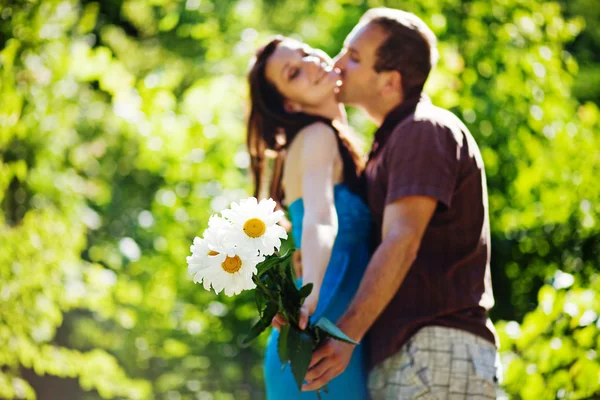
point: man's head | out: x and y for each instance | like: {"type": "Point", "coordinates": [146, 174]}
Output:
{"type": "Point", "coordinates": [386, 57]}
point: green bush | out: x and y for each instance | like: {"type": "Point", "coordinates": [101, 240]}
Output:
{"type": "Point", "coordinates": [122, 130]}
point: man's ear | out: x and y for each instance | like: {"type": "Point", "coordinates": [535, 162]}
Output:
{"type": "Point", "coordinates": [392, 82]}
{"type": "Point", "coordinates": [292, 106]}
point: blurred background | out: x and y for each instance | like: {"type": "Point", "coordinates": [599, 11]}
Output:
{"type": "Point", "coordinates": [122, 130]}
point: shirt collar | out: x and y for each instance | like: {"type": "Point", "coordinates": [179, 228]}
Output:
{"type": "Point", "coordinates": [393, 118]}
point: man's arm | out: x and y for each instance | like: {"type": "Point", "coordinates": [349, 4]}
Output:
{"type": "Point", "coordinates": [404, 223]}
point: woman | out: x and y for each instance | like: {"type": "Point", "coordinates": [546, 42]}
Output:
{"type": "Point", "coordinates": [294, 114]}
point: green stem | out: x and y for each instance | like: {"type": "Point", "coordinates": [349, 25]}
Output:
{"type": "Point", "coordinates": [267, 292]}
{"type": "Point", "coordinates": [261, 285]}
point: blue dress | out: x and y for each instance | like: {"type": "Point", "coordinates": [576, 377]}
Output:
{"type": "Point", "coordinates": [349, 259]}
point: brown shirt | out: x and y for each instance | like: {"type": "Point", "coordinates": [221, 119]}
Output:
{"type": "Point", "coordinates": [424, 150]}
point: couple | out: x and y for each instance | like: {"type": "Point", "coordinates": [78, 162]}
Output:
{"type": "Point", "coordinates": [418, 303]}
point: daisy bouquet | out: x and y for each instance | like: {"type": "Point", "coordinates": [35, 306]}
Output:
{"type": "Point", "coordinates": [240, 251]}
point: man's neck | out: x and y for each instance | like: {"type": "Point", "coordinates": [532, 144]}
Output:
{"type": "Point", "coordinates": [378, 112]}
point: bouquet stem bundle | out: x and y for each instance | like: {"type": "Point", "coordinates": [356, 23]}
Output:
{"type": "Point", "coordinates": [240, 251]}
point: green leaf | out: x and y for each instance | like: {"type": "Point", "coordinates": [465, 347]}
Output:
{"type": "Point", "coordinates": [280, 304]}
{"type": "Point", "coordinates": [263, 323]}
{"type": "Point", "coordinates": [290, 270]}
{"type": "Point", "coordinates": [272, 261]}
{"type": "Point", "coordinates": [305, 291]}
{"type": "Point", "coordinates": [290, 295]}
{"type": "Point", "coordinates": [332, 330]}
{"type": "Point", "coordinates": [266, 265]}
{"type": "Point", "coordinates": [89, 16]}
{"type": "Point", "coordinates": [300, 347]}
{"type": "Point", "coordinates": [260, 299]}
{"type": "Point", "coordinates": [282, 345]}
{"type": "Point", "coordinates": [317, 333]}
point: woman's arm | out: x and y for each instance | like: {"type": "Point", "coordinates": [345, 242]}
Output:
{"type": "Point", "coordinates": [320, 224]}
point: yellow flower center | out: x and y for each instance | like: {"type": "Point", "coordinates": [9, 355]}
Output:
{"type": "Point", "coordinates": [232, 264]}
{"type": "Point", "coordinates": [255, 228]}
{"type": "Point", "coordinates": [213, 253]}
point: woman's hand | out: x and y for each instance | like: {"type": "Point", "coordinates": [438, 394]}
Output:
{"type": "Point", "coordinates": [308, 309]}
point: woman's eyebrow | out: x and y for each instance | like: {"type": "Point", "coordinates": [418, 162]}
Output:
{"type": "Point", "coordinates": [301, 52]}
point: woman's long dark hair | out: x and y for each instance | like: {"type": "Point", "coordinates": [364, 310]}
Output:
{"type": "Point", "coordinates": [271, 127]}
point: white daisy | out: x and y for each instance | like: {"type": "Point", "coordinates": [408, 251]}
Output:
{"type": "Point", "coordinates": [255, 225]}
{"type": "Point", "coordinates": [199, 259]}
{"type": "Point", "coordinates": [221, 230]}
{"type": "Point", "coordinates": [217, 222]}
{"type": "Point", "coordinates": [225, 268]}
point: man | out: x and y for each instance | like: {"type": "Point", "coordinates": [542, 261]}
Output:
{"type": "Point", "coordinates": [427, 289]}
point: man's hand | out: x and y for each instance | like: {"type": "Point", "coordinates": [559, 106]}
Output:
{"type": "Point", "coordinates": [328, 361]}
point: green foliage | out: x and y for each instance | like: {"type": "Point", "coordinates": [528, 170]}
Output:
{"type": "Point", "coordinates": [300, 348]}
{"type": "Point", "coordinates": [585, 49]}
{"type": "Point", "coordinates": [122, 130]}
{"type": "Point", "coordinates": [553, 352]}
{"type": "Point", "coordinates": [282, 345]}
{"type": "Point", "coordinates": [263, 323]}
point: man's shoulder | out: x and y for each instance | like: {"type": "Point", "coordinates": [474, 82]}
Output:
{"type": "Point", "coordinates": [430, 114]}
{"type": "Point", "coordinates": [446, 127]}
{"type": "Point", "coordinates": [431, 121]}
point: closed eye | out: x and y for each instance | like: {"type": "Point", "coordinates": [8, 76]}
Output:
{"type": "Point", "coordinates": [294, 72]}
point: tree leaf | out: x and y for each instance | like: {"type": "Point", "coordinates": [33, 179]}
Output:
{"type": "Point", "coordinates": [282, 345]}
{"type": "Point", "coordinates": [332, 330]}
{"type": "Point", "coordinates": [300, 346]}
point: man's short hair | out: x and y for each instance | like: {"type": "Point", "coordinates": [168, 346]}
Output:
{"type": "Point", "coordinates": [410, 48]}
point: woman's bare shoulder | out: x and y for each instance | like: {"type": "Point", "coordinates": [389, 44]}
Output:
{"type": "Point", "coordinates": [318, 137]}
{"type": "Point", "coordinates": [312, 137]}
{"type": "Point", "coordinates": [317, 129]}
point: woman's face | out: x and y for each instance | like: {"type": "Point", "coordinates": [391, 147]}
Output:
{"type": "Point", "coordinates": [304, 76]}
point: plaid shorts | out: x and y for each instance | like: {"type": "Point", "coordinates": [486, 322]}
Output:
{"type": "Point", "coordinates": [438, 363]}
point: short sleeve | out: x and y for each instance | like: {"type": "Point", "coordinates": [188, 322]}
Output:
{"type": "Point", "coordinates": [422, 159]}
